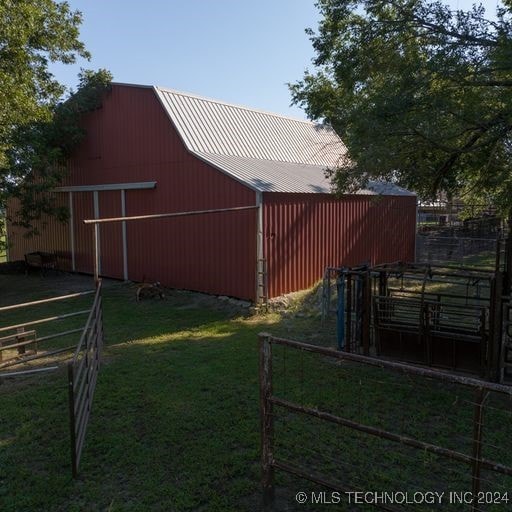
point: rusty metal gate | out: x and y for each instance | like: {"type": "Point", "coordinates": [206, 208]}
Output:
{"type": "Point", "coordinates": [440, 316]}
{"type": "Point", "coordinates": [430, 332]}
{"type": "Point", "coordinates": [82, 375]}
{"type": "Point", "coordinates": [356, 425]}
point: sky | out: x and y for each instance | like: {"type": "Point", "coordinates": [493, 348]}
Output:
{"type": "Point", "coordinates": [239, 51]}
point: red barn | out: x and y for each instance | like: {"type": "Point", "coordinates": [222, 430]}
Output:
{"type": "Point", "coordinates": [151, 150]}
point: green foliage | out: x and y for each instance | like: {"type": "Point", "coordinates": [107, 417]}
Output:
{"type": "Point", "coordinates": [37, 160]}
{"type": "Point", "coordinates": [33, 33]}
{"type": "Point", "coordinates": [37, 129]}
{"type": "Point", "coordinates": [419, 93]}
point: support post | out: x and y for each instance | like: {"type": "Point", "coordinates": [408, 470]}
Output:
{"type": "Point", "coordinates": [72, 427]}
{"type": "Point", "coordinates": [494, 353]}
{"type": "Point", "coordinates": [480, 398]}
{"type": "Point", "coordinates": [267, 421]}
{"type": "Point", "coordinates": [96, 254]}
{"type": "Point", "coordinates": [340, 320]}
{"type": "Point", "coordinates": [123, 235]}
{"type": "Point", "coordinates": [349, 313]}
{"type": "Point", "coordinates": [366, 313]}
{"type": "Point", "coordinates": [72, 232]}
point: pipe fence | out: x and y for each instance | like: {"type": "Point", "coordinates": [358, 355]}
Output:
{"type": "Point", "coordinates": [378, 434]}
{"type": "Point", "coordinates": [82, 376]}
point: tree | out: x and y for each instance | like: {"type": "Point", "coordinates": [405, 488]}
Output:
{"type": "Point", "coordinates": [419, 93]}
{"type": "Point", "coordinates": [37, 159]}
{"type": "Point", "coordinates": [37, 129]}
{"type": "Point", "coordinates": [32, 34]}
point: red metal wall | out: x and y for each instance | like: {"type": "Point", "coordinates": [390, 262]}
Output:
{"type": "Point", "coordinates": [304, 233]}
{"type": "Point", "coordinates": [131, 139]}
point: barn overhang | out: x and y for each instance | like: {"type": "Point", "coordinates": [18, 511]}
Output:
{"type": "Point", "coordinates": [96, 189]}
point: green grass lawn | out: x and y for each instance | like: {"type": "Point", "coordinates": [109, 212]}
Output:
{"type": "Point", "coordinates": [175, 421]}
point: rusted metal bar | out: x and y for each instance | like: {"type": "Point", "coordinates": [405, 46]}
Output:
{"type": "Point", "coordinates": [390, 436]}
{"type": "Point", "coordinates": [72, 426]}
{"type": "Point", "coordinates": [267, 421]}
{"type": "Point", "coordinates": [348, 345]}
{"type": "Point", "coordinates": [366, 313]}
{"type": "Point", "coordinates": [14, 337]}
{"type": "Point", "coordinates": [59, 335]}
{"type": "Point", "coordinates": [89, 321]}
{"type": "Point", "coordinates": [96, 242]}
{"type": "Point", "coordinates": [19, 344]}
{"type": "Point", "coordinates": [481, 397]}
{"type": "Point", "coordinates": [82, 377]}
{"type": "Point", "coordinates": [483, 342]}
{"type": "Point", "coordinates": [167, 215]}
{"type": "Point", "coordinates": [28, 372]}
{"type": "Point", "coordinates": [392, 365]}
{"type": "Point", "coordinates": [45, 320]}
{"type": "Point", "coordinates": [41, 355]}
{"type": "Point", "coordinates": [495, 328]}
{"type": "Point", "coordinates": [46, 301]}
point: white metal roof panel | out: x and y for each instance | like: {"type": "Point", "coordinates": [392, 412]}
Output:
{"type": "Point", "coordinates": [271, 176]}
{"type": "Point", "coordinates": [210, 126]}
{"type": "Point", "coordinates": [265, 151]}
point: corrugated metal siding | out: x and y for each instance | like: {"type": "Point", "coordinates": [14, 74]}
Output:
{"type": "Point", "coordinates": [83, 208]}
{"type": "Point", "coordinates": [111, 235]}
{"type": "Point", "coordinates": [303, 234]}
{"type": "Point", "coordinates": [214, 254]}
{"type": "Point", "coordinates": [132, 140]}
{"type": "Point", "coordinates": [53, 237]}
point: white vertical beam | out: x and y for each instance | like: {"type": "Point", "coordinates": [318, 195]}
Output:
{"type": "Point", "coordinates": [72, 232]}
{"type": "Point", "coordinates": [123, 227]}
{"type": "Point", "coordinates": [97, 256]}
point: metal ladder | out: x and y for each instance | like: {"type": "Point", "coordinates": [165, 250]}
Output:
{"type": "Point", "coordinates": [262, 284]}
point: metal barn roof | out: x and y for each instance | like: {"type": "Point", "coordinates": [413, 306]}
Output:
{"type": "Point", "coordinates": [265, 151]}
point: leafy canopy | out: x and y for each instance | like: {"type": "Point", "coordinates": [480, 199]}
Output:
{"type": "Point", "coordinates": [33, 33]}
{"type": "Point", "coordinates": [37, 129]}
{"type": "Point", "coordinates": [419, 93]}
{"type": "Point", "coordinates": [37, 160]}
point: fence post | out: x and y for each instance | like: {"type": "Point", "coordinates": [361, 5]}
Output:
{"type": "Point", "coordinates": [72, 427]}
{"type": "Point", "coordinates": [267, 421]}
{"type": "Point", "coordinates": [494, 353]}
{"type": "Point", "coordinates": [349, 314]}
{"type": "Point", "coordinates": [340, 320]}
{"type": "Point", "coordinates": [480, 398]}
{"type": "Point", "coordinates": [366, 313]}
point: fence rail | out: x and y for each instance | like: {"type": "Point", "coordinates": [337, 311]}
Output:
{"type": "Point", "coordinates": [471, 451]}
{"type": "Point", "coordinates": [82, 375]}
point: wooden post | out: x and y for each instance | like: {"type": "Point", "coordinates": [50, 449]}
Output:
{"type": "Point", "coordinates": [267, 421]}
{"type": "Point", "coordinates": [20, 337]}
